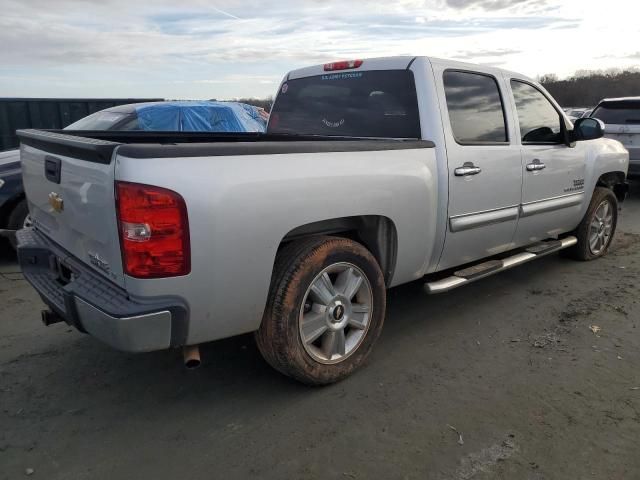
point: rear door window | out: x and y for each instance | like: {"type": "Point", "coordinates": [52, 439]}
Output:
{"type": "Point", "coordinates": [475, 108]}
{"type": "Point", "coordinates": [624, 112]}
{"type": "Point", "coordinates": [379, 104]}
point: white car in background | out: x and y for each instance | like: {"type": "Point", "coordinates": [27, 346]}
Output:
{"type": "Point", "coordinates": [621, 117]}
{"type": "Point", "coordinates": [575, 113]}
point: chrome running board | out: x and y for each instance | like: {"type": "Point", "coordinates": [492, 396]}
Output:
{"type": "Point", "coordinates": [491, 267]}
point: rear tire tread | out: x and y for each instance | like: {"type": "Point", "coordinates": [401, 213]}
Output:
{"type": "Point", "coordinates": [278, 342]}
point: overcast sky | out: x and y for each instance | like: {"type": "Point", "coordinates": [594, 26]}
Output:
{"type": "Point", "coordinates": [226, 49]}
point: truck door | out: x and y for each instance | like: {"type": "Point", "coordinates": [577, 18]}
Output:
{"type": "Point", "coordinates": [553, 173]}
{"type": "Point", "coordinates": [485, 170]}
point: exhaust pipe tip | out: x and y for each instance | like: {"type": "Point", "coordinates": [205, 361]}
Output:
{"type": "Point", "coordinates": [49, 318]}
{"type": "Point", "coordinates": [191, 354]}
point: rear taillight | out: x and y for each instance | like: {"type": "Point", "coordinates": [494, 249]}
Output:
{"type": "Point", "coordinates": [154, 231]}
{"type": "Point", "coordinates": [344, 65]}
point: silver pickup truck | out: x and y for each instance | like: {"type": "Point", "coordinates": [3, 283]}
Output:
{"type": "Point", "coordinates": [372, 173]}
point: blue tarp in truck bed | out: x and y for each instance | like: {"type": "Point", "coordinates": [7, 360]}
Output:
{"type": "Point", "coordinates": [206, 116]}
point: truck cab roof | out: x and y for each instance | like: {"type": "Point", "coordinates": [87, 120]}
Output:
{"type": "Point", "coordinates": [400, 63]}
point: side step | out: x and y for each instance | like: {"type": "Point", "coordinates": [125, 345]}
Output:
{"type": "Point", "coordinates": [482, 270]}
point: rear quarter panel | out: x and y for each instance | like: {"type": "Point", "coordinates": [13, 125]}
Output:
{"type": "Point", "coordinates": [241, 207]}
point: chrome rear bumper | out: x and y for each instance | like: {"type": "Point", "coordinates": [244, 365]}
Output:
{"type": "Point", "coordinates": [92, 304]}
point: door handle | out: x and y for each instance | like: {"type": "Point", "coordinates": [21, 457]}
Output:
{"type": "Point", "coordinates": [535, 166]}
{"type": "Point", "coordinates": [467, 168]}
{"type": "Point", "coordinates": [52, 168]}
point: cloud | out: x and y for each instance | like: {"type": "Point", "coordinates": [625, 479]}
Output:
{"type": "Point", "coordinates": [207, 34]}
{"type": "Point", "coordinates": [243, 47]}
{"type": "Point", "coordinates": [481, 54]}
{"type": "Point", "coordinates": [262, 79]}
{"type": "Point", "coordinates": [494, 4]}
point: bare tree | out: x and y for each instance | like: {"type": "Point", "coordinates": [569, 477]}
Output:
{"type": "Point", "coordinates": [587, 87]}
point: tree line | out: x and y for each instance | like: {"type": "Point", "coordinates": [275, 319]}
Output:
{"type": "Point", "coordinates": [265, 103]}
{"type": "Point", "coordinates": [587, 87]}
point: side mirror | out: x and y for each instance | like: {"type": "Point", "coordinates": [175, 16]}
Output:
{"type": "Point", "coordinates": [588, 129]}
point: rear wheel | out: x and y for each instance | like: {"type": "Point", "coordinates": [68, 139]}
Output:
{"type": "Point", "coordinates": [598, 226]}
{"type": "Point", "coordinates": [325, 311]}
{"type": "Point", "coordinates": [18, 218]}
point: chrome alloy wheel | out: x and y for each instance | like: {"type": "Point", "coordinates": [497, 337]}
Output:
{"type": "Point", "coordinates": [335, 313]}
{"type": "Point", "coordinates": [600, 228]}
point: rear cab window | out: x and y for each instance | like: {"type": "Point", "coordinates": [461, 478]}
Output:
{"type": "Point", "coordinates": [370, 104]}
{"type": "Point", "coordinates": [618, 112]}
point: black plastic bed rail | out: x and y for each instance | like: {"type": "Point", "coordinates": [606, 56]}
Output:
{"type": "Point", "coordinates": [98, 146]}
{"type": "Point", "coordinates": [90, 149]}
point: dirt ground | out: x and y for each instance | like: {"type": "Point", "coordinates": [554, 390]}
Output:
{"type": "Point", "coordinates": [501, 379]}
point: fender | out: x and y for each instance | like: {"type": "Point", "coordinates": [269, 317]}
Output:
{"type": "Point", "coordinates": [604, 156]}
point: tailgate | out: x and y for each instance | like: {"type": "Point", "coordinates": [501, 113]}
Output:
{"type": "Point", "coordinates": [69, 183]}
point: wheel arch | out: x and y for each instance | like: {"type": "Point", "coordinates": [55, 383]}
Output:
{"type": "Point", "coordinates": [377, 233]}
{"type": "Point", "coordinates": [8, 206]}
{"type": "Point", "coordinates": [615, 181]}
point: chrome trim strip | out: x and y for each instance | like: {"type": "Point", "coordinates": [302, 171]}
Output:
{"type": "Point", "coordinates": [138, 333]}
{"type": "Point", "coordinates": [445, 284]}
{"type": "Point", "coordinates": [459, 223]}
{"type": "Point", "coordinates": [556, 197]}
{"type": "Point", "coordinates": [551, 204]}
{"type": "Point", "coordinates": [517, 259]}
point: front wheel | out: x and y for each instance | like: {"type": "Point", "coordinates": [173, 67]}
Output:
{"type": "Point", "coordinates": [325, 310]}
{"type": "Point", "coordinates": [598, 226]}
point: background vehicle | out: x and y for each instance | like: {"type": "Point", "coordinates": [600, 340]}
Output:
{"type": "Point", "coordinates": [372, 173]}
{"type": "Point", "coordinates": [13, 206]}
{"type": "Point", "coordinates": [622, 119]}
{"type": "Point", "coordinates": [575, 113]}
{"type": "Point", "coordinates": [19, 113]}
{"type": "Point", "coordinates": [183, 116]}
{"type": "Point", "coordinates": [176, 116]}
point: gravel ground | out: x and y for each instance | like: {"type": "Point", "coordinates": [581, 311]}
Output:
{"type": "Point", "coordinates": [506, 378]}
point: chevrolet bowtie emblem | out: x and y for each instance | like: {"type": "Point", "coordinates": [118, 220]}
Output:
{"type": "Point", "coordinates": [56, 202]}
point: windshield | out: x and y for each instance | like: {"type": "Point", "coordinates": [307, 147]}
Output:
{"type": "Point", "coordinates": [353, 104]}
{"type": "Point", "coordinates": [98, 121]}
{"type": "Point", "coordinates": [619, 112]}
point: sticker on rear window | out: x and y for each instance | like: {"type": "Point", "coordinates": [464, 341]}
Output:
{"type": "Point", "coordinates": [331, 124]}
{"type": "Point", "coordinates": [285, 87]}
{"type": "Point", "coordinates": [342, 76]}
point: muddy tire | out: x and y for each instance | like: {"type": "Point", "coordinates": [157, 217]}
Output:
{"type": "Point", "coordinates": [598, 226]}
{"type": "Point", "coordinates": [17, 219]}
{"type": "Point", "coordinates": [325, 310]}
